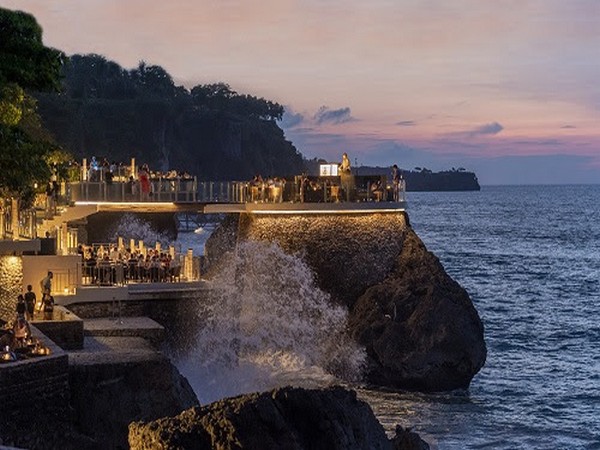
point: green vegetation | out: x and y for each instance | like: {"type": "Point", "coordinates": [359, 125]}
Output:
{"type": "Point", "coordinates": [210, 131]}
{"type": "Point", "coordinates": [25, 64]}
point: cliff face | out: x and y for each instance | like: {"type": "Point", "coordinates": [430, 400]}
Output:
{"type": "Point", "coordinates": [290, 418]}
{"type": "Point", "coordinates": [109, 392]}
{"type": "Point", "coordinates": [419, 327]}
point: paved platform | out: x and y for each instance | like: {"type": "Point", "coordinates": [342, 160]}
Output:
{"type": "Point", "coordinates": [114, 350]}
{"type": "Point", "coordinates": [140, 327]}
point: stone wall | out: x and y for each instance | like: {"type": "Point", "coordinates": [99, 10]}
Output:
{"type": "Point", "coordinates": [11, 280]}
{"type": "Point", "coordinates": [348, 252]}
{"type": "Point", "coordinates": [181, 317]}
{"type": "Point", "coordinates": [34, 395]}
{"type": "Point", "coordinates": [65, 328]}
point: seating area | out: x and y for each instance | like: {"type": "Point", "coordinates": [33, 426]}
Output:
{"type": "Point", "coordinates": [108, 267]}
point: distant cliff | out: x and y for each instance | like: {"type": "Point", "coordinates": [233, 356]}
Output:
{"type": "Point", "coordinates": [426, 180]}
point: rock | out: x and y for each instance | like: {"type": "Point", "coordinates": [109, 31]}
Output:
{"type": "Point", "coordinates": [286, 418]}
{"type": "Point", "coordinates": [348, 253]}
{"type": "Point", "coordinates": [110, 389]}
{"type": "Point", "coordinates": [408, 440]}
{"type": "Point", "coordinates": [419, 327]}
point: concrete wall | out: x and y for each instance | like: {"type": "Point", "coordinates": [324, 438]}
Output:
{"type": "Point", "coordinates": [11, 280]}
{"type": "Point", "coordinates": [64, 268]}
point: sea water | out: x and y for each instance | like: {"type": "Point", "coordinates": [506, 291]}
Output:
{"type": "Point", "coordinates": [529, 256]}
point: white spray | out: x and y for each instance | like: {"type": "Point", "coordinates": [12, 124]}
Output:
{"type": "Point", "coordinates": [267, 324]}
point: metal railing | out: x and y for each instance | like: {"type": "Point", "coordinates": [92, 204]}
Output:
{"type": "Point", "coordinates": [192, 191]}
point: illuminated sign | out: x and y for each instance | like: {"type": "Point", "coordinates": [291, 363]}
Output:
{"type": "Point", "coordinates": [328, 170]}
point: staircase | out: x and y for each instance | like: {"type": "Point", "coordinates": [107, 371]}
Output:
{"type": "Point", "coordinates": [66, 214]}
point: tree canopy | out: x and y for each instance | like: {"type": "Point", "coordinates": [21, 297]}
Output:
{"type": "Point", "coordinates": [210, 131]}
{"type": "Point", "coordinates": [25, 64]}
{"type": "Point", "coordinates": [25, 60]}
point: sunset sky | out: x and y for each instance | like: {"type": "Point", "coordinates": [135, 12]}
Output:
{"type": "Point", "coordinates": [509, 89]}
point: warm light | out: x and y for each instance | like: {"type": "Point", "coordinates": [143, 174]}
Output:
{"type": "Point", "coordinates": [325, 211]}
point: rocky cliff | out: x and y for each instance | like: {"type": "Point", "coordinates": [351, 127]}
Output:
{"type": "Point", "coordinates": [287, 418]}
{"type": "Point", "coordinates": [121, 381]}
{"type": "Point", "coordinates": [419, 327]}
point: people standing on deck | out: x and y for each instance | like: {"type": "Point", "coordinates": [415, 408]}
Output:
{"type": "Point", "coordinates": [396, 180]}
{"type": "Point", "coordinates": [346, 179]}
{"type": "Point", "coordinates": [30, 301]}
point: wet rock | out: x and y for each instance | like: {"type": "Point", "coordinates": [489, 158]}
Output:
{"type": "Point", "coordinates": [405, 439]}
{"type": "Point", "coordinates": [419, 326]}
{"type": "Point", "coordinates": [286, 418]}
{"type": "Point", "coordinates": [110, 388]}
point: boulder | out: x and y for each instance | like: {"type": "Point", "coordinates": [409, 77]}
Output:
{"type": "Point", "coordinates": [112, 388]}
{"type": "Point", "coordinates": [405, 439]}
{"type": "Point", "coordinates": [419, 326]}
{"type": "Point", "coordinates": [287, 418]}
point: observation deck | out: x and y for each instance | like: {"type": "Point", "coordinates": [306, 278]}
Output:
{"type": "Point", "coordinates": [278, 196]}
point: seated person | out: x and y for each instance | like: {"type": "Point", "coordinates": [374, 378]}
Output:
{"type": "Point", "coordinates": [21, 331]}
{"type": "Point", "coordinates": [377, 191]}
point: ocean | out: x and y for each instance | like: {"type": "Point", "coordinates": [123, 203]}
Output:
{"type": "Point", "coordinates": [529, 256]}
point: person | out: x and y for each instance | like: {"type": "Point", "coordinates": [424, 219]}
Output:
{"type": "Point", "coordinates": [21, 331]}
{"type": "Point", "coordinates": [396, 176]}
{"type": "Point", "coordinates": [48, 306]}
{"type": "Point", "coordinates": [21, 306]}
{"type": "Point", "coordinates": [46, 283]}
{"type": "Point", "coordinates": [346, 179]}
{"type": "Point", "coordinates": [50, 200]}
{"type": "Point", "coordinates": [144, 178]}
{"type": "Point", "coordinates": [30, 301]}
{"type": "Point", "coordinates": [377, 191]}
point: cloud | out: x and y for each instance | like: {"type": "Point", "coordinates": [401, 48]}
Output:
{"type": "Point", "coordinates": [291, 119]}
{"type": "Point", "coordinates": [333, 116]}
{"type": "Point", "coordinates": [406, 123]}
{"type": "Point", "coordinates": [489, 128]}
{"type": "Point", "coordinates": [568, 127]}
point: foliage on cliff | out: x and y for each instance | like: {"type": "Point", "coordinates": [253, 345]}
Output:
{"type": "Point", "coordinates": [210, 131]}
{"type": "Point", "coordinates": [25, 63]}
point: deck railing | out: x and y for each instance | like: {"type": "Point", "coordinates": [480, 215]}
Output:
{"type": "Point", "coordinates": [194, 191]}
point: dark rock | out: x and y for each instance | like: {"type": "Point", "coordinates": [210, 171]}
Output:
{"type": "Point", "coordinates": [286, 418]}
{"type": "Point", "coordinates": [348, 254]}
{"type": "Point", "coordinates": [408, 440]}
{"type": "Point", "coordinates": [419, 327]}
{"type": "Point", "coordinates": [109, 395]}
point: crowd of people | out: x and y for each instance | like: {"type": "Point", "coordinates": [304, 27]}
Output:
{"type": "Point", "coordinates": [110, 266]}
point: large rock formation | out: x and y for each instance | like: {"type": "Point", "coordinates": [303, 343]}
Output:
{"type": "Point", "coordinates": [418, 325]}
{"type": "Point", "coordinates": [118, 380]}
{"type": "Point", "coordinates": [287, 418]}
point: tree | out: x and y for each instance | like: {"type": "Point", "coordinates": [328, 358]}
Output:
{"type": "Point", "coordinates": [25, 63]}
{"type": "Point", "coordinates": [25, 60]}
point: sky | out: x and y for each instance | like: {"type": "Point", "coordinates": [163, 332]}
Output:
{"type": "Point", "coordinates": [509, 88]}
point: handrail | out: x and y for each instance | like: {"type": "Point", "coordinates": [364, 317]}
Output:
{"type": "Point", "coordinates": [193, 191]}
